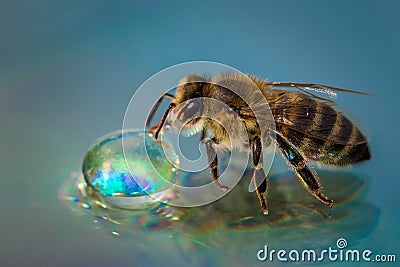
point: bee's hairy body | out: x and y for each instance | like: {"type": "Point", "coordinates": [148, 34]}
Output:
{"type": "Point", "coordinates": [340, 142]}
{"type": "Point", "coordinates": [307, 127]}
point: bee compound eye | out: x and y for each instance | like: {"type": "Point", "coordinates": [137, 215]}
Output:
{"type": "Point", "coordinates": [192, 108]}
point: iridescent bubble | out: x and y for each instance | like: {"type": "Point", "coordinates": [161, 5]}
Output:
{"type": "Point", "coordinates": [134, 180]}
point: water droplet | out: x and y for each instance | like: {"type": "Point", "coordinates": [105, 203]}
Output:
{"type": "Point", "coordinates": [135, 179]}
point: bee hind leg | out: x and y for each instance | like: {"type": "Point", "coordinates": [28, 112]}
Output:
{"type": "Point", "coordinates": [307, 177]}
{"type": "Point", "coordinates": [259, 177]}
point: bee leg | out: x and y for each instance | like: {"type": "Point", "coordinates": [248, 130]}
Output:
{"type": "Point", "coordinates": [161, 124]}
{"type": "Point", "coordinates": [307, 177]}
{"type": "Point", "coordinates": [203, 135]}
{"type": "Point", "coordinates": [212, 159]}
{"type": "Point", "coordinates": [156, 129]}
{"type": "Point", "coordinates": [259, 177]}
{"type": "Point", "coordinates": [155, 107]}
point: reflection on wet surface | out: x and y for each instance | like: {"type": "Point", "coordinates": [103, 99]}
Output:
{"type": "Point", "coordinates": [233, 229]}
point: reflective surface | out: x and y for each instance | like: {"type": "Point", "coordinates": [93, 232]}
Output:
{"type": "Point", "coordinates": [69, 68]}
{"type": "Point", "coordinates": [297, 221]}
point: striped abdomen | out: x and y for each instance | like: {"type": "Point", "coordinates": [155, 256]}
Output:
{"type": "Point", "coordinates": [319, 131]}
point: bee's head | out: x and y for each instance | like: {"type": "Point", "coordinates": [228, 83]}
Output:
{"type": "Point", "coordinates": [189, 104]}
{"type": "Point", "coordinates": [190, 87]}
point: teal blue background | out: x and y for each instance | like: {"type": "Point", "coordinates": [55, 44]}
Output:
{"type": "Point", "coordinates": [69, 68]}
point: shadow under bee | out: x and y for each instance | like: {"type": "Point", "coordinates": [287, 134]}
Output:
{"type": "Point", "coordinates": [297, 220]}
{"type": "Point", "coordinates": [290, 204]}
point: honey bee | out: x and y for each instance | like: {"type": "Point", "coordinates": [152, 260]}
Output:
{"type": "Point", "coordinates": [308, 127]}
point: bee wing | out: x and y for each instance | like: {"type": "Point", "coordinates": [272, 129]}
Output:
{"type": "Point", "coordinates": [316, 116]}
{"type": "Point", "coordinates": [319, 91]}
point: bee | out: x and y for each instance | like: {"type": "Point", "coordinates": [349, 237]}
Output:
{"type": "Point", "coordinates": [308, 127]}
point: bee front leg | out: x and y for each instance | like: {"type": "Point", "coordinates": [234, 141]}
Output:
{"type": "Point", "coordinates": [212, 158]}
{"type": "Point", "coordinates": [307, 176]}
{"type": "Point", "coordinates": [203, 135]}
{"type": "Point", "coordinates": [259, 177]}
